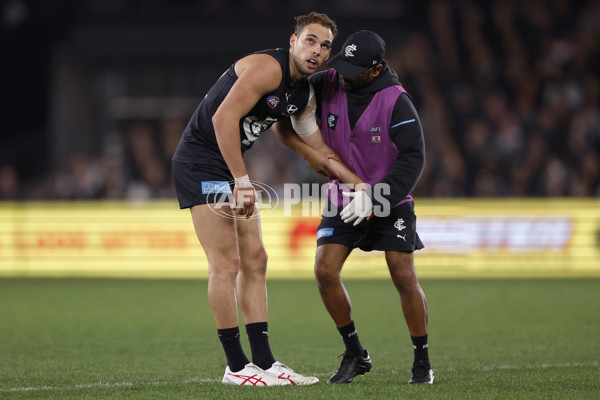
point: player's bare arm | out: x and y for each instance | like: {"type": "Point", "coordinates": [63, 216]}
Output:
{"type": "Point", "coordinates": [321, 158]}
{"type": "Point", "coordinates": [258, 74]}
{"type": "Point", "coordinates": [317, 160]}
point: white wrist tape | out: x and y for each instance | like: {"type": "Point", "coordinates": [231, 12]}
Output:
{"type": "Point", "coordinates": [243, 182]}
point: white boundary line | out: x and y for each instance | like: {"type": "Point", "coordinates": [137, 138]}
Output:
{"type": "Point", "coordinates": [101, 384]}
{"type": "Point", "coordinates": [209, 380]}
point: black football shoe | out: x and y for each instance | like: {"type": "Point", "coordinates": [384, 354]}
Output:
{"type": "Point", "coordinates": [421, 374]}
{"type": "Point", "coordinates": [351, 366]}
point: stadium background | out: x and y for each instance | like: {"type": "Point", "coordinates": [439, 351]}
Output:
{"type": "Point", "coordinates": [95, 95]}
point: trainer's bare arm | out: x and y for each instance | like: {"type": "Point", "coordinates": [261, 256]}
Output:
{"type": "Point", "coordinates": [258, 74]}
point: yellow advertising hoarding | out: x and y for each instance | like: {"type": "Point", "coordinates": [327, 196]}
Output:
{"type": "Point", "coordinates": [463, 238]}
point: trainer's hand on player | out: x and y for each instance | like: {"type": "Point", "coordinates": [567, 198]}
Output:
{"type": "Point", "coordinates": [360, 207]}
{"type": "Point", "coordinates": [243, 197]}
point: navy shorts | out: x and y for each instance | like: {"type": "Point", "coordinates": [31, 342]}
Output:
{"type": "Point", "coordinates": [199, 184]}
{"type": "Point", "coordinates": [396, 232]}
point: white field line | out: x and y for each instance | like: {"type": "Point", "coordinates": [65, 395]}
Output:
{"type": "Point", "coordinates": [209, 380]}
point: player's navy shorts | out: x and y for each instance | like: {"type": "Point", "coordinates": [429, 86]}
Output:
{"type": "Point", "coordinates": [200, 184]}
{"type": "Point", "coordinates": [396, 232]}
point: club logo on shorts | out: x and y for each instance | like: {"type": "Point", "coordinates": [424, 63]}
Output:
{"type": "Point", "coordinates": [272, 101]}
{"type": "Point", "coordinates": [324, 232]}
{"type": "Point", "coordinates": [332, 121]}
{"type": "Point", "coordinates": [400, 224]}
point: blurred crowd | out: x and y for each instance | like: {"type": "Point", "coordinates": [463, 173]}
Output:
{"type": "Point", "coordinates": [508, 93]}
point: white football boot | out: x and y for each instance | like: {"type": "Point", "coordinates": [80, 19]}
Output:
{"type": "Point", "coordinates": [286, 374]}
{"type": "Point", "coordinates": [251, 375]}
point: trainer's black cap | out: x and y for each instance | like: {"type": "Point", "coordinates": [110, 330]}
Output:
{"type": "Point", "coordinates": [361, 51]}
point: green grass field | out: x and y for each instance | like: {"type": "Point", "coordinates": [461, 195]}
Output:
{"type": "Point", "coordinates": [147, 339]}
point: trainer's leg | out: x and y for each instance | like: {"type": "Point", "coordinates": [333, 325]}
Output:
{"type": "Point", "coordinates": [414, 303]}
{"type": "Point", "coordinates": [328, 265]}
{"type": "Point", "coordinates": [217, 235]}
{"type": "Point", "coordinates": [329, 262]}
{"type": "Point", "coordinates": [414, 307]}
{"type": "Point", "coordinates": [252, 289]}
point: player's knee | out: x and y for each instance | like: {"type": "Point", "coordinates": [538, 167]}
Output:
{"type": "Point", "coordinates": [225, 268]}
{"type": "Point", "coordinates": [255, 262]}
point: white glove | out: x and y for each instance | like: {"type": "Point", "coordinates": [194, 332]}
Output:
{"type": "Point", "coordinates": [358, 209]}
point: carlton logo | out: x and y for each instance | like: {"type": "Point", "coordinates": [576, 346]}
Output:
{"type": "Point", "coordinates": [349, 51]}
{"type": "Point", "coordinates": [272, 101]}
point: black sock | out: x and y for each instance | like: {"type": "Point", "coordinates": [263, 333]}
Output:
{"type": "Point", "coordinates": [421, 350]}
{"type": "Point", "coordinates": [258, 335]}
{"type": "Point", "coordinates": [230, 339]}
{"type": "Point", "coordinates": [351, 341]}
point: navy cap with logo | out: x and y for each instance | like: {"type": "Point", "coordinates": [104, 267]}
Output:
{"type": "Point", "coordinates": [361, 51]}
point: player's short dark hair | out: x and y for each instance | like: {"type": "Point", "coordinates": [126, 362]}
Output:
{"type": "Point", "coordinates": [315, 18]}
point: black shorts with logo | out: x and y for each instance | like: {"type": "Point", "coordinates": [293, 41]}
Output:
{"type": "Point", "coordinates": [198, 184]}
{"type": "Point", "coordinates": [396, 232]}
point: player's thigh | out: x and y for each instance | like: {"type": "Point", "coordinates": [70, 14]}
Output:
{"type": "Point", "coordinates": [250, 239]}
{"type": "Point", "coordinates": [217, 235]}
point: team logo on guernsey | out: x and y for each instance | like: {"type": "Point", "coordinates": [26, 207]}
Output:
{"type": "Point", "coordinates": [332, 121]}
{"type": "Point", "coordinates": [272, 101]}
{"type": "Point", "coordinates": [376, 132]}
